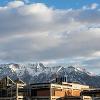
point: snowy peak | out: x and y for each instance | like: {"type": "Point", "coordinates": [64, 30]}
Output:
{"type": "Point", "coordinates": [38, 72]}
{"type": "Point", "coordinates": [38, 68]}
{"type": "Point", "coordinates": [80, 70]}
{"type": "Point", "coordinates": [71, 68]}
{"type": "Point", "coordinates": [14, 67]}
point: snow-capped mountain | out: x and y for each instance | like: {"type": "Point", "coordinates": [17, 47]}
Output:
{"type": "Point", "coordinates": [38, 72]}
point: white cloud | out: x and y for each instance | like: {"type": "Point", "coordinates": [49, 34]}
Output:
{"type": "Point", "coordinates": [15, 4]}
{"type": "Point", "coordinates": [36, 32]}
{"type": "Point", "coordinates": [94, 6]}
{"type": "Point", "coordinates": [96, 54]}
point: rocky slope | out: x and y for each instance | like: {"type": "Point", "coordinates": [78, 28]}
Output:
{"type": "Point", "coordinates": [33, 73]}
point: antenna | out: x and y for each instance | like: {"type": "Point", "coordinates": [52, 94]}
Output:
{"type": "Point", "coordinates": [65, 78]}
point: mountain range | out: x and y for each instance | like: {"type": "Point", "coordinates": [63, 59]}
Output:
{"type": "Point", "coordinates": [40, 73]}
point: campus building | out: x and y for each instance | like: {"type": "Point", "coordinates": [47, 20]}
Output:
{"type": "Point", "coordinates": [53, 91]}
{"type": "Point", "coordinates": [12, 90]}
{"type": "Point", "coordinates": [91, 94]}
{"type": "Point", "coordinates": [19, 90]}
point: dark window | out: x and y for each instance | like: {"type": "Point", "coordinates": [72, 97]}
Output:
{"type": "Point", "coordinates": [33, 92]}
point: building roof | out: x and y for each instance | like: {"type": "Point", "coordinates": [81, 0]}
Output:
{"type": "Point", "coordinates": [18, 80]}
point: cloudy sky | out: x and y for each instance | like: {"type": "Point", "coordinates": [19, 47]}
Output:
{"type": "Point", "coordinates": [51, 31]}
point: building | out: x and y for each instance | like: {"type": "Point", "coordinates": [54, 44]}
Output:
{"type": "Point", "coordinates": [12, 90]}
{"type": "Point", "coordinates": [52, 91]}
{"type": "Point", "coordinates": [91, 94]}
{"type": "Point", "coordinates": [18, 90]}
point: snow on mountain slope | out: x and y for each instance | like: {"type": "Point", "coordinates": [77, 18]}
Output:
{"type": "Point", "coordinates": [40, 73]}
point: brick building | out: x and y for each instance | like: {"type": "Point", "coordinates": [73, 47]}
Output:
{"type": "Point", "coordinates": [52, 91]}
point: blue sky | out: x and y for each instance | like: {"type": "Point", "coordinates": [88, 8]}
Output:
{"type": "Point", "coordinates": [63, 4]}
{"type": "Point", "coordinates": [51, 31]}
{"type": "Point", "coordinates": [60, 4]}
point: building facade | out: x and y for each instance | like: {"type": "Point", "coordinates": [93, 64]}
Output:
{"type": "Point", "coordinates": [18, 90]}
{"type": "Point", "coordinates": [91, 94]}
{"type": "Point", "coordinates": [12, 90]}
{"type": "Point", "coordinates": [52, 91]}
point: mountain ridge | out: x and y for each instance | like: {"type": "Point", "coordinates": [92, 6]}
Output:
{"type": "Point", "coordinates": [38, 73]}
